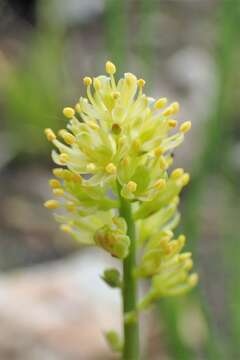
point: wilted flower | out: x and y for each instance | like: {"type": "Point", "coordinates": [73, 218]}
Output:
{"type": "Point", "coordinates": [119, 138]}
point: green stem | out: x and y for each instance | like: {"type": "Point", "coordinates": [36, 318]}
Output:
{"type": "Point", "coordinates": [129, 292]}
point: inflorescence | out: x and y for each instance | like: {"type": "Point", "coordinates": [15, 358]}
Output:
{"type": "Point", "coordinates": [117, 137]}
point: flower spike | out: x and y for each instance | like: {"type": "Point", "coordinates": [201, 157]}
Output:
{"type": "Point", "coordinates": [113, 181]}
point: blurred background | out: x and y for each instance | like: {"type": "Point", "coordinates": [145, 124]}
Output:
{"type": "Point", "coordinates": [53, 304]}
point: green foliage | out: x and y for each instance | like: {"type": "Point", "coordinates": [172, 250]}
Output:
{"type": "Point", "coordinates": [34, 91]}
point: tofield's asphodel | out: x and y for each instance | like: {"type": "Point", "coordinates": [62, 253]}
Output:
{"type": "Point", "coordinates": [113, 189]}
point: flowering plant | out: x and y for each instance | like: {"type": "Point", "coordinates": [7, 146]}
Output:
{"type": "Point", "coordinates": [115, 190]}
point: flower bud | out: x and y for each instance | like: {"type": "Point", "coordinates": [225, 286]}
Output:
{"type": "Point", "coordinates": [113, 241]}
{"type": "Point", "coordinates": [112, 278]}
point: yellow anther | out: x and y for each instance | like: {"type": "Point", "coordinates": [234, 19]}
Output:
{"type": "Point", "coordinates": [136, 145]}
{"type": "Point", "coordinates": [168, 234]}
{"type": "Point", "coordinates": [58, 172]}
{"type": "Point", "coordinates": [172, 247]}
{"type": "Point", "coordinates": [66, 228]}
{"type": "Point", "coordinates": [182, 239]}
{"type": "Point", "coordinates": [185, 179]}
{"type": "Point", "coordinates": [185, 127]}
{"type": "Point", "coordinates": [110, 68]}
{"type": "Point", "coordinates": [67, 137]}
{"type": "Point", "coordinates": [71, 207]}
{"type": "Point", "coordinates": [145, 101]}
{"type": "Point", "coordinates": [50, 134]}
{"type": "Point", "coordinates": [76, 178]}
{"type": "Point", "coordinates": [193, 279]}
{"type": "Point", "coordinates": [116, 129]}
{"type": "Point", "coordinates": [93, 125]}
{"type": "Point", "coordinates": [63, 158]}
{"type": "Point", "coordinates": [175, 107]}
{"type": "Point", "coordinates": [52, 204]}
{"type": "Point", "coordinates": [67, 175]}
{"type": "Point", "coordinates": [63, 174]}
{"type": "Point", "coordinates": [130, 79]}
{"type": "Point", "coordinates": [185, 256]}
{"type": "Point", "coordinates": [54, 183]}
{"type": "Point", "coordinates": [141, 83]}
{"type": "Point", "coordinates": [125, 161]}
{"type": "Point", "coordinates": [172, 109]}
{"type": "Point", "coordinates": [131, 186]}
{"type": "Point", "coordinates": [168, 111]}
{"type": "Point", "coordinates": [176, 200]}
{"type": "Point", "coordinates": [91, 167]}
{"type": "Point", "coordinates": [148, 112]}
{"type": "Point", "coordinates": [111, 169]}
{"type": "Point", "coordinates": [164, 243]}
{"type": "Point", "coordinates": [160, 184]}
{"type": "Point", "coordinates": [158, 151]}
{"type": "Point", "coordinates": [96, 84]}
{"type": "Point", "coordinates": [87, 81]}
{"type": "Point", "coordinates": [68, 112]}
{"type": "Point", "coordinates": [58, 192]}
{"type": "Point", "coordinates": [78, 108]}
{"type": "Point", "coordinates": [188, 264]}
{"type": "Point", "coordinates": [177, 173]}
{"type": "Point", "coordinates": [160, 103]}
{"type": "Point", "coordinates": [115, 95]}
{"type": "Point", "coordinates": [163, 163]}
{"type": "Point", "coordinates": [122, 140]}
{"type": "Point", "coordinates": [172, 123]}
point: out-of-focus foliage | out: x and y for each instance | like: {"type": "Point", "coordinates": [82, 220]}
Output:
{"type": "Point", "coordinates": [36, 89]}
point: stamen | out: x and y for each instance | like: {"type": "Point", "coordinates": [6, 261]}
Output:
{"type": "Point", "coordinates": [175, 107]}
{"type": "Point", "coordinates": [58, 172]}
{"type": "Point", "coordinates": [193, 279]}
{"type": "Point", "coordinates": [136, 145]}
{"type": "Point", "coordinates": [54, 183]}
{"type": "Point", "coordinates": [67, 137]}
{"type": "Point", "coordinates": [71, 207]}
{"type": "Point", "coordinates": [115, 95]}
{"type": "Point", "coordinates": [111, 169]}
{"type": "Point", "coordinates": [182, 239]}
{"type": "Point", "coordinates": [172, 123]}
{"type": "Point", "coordinates": [177, 173]}
{"type": "Point", "coordinates": [188, 265]}
{"type": "Point", "coordinates": [91, 167]}
{"type": "Point", "coordinates": [52, 204]}
{"type": "Point", "coordinates": [160, 184]}
{"type": "Point", "coordinates": [64, 158]}
{"type": "Point", "coordinates": [185, 127]}
{"type": "Point", "coordinates": [116, 129]}
{"type": "Point", "coordinates": [96, 84]}
{"type": "Point", "coordinates": [141, 83]}
{"type": "Point", "coordinates": [172, 109]}
{"type": "Point", "coordinates": [131, 186]}
{"type": "Point", "coordinates": [163, 163]}
{"type": "Point", "coordinates": [66, 228]}
{"type": "Point", "coordinates": [50, 134]}
{"type": "Point", "coordinates": [130, 79]}
{"type": "Point", "coordinates": [77, 178]}
{"type": "Point", "coordinates": [58, 192]}
{"type": "Point", "coordinates": [78, 108]}
{"type": "Point", "coordinates": [160, 103]}
{"type": "Point", "coordinates": [68, 112]}
{"type": "Point", "coordinates": [125, 161]}
{"type": "Point", "coordinates": [158, 151]}
{"type": "Point", "coordinates": [87, 81]}
{"type": "Point", "coordinates": [93, 125]}
{"type": "Point", "coordinates": [110, 68]}
{"type": "Point", "coordinates": [185, 179]}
